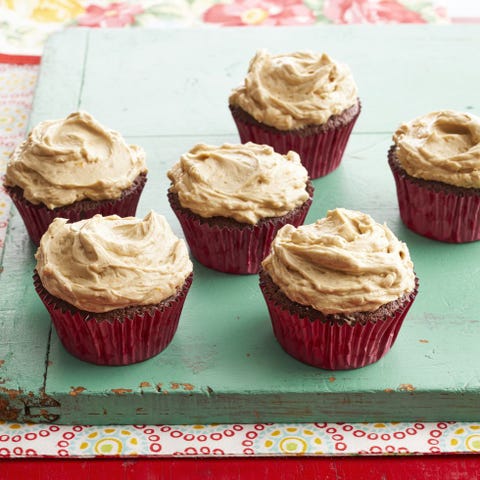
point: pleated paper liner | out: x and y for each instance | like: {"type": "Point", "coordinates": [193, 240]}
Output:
{"type": "Point", "coordinates": [320, 147]}
{"type": "Point", "coordinates": [228, 246]}
{"type": "Point", "coordinates": [434, 209]}
{"type": "Point", "coordinates": [119, 337]}
{"type": "Point", "coordinates": [333, 344]}
{"type": "Point", "coordinates": [37, 218]}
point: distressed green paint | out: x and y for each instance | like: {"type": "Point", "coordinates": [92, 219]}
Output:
{"type": "Point", "coordinates": [24, 332]}
{"type": "Point", "coordinates": [167, 91]}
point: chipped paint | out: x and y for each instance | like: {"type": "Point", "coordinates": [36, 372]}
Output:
{"type": "Point", "coordinates": [187, 387]}
{"type": "Point", "coordinates": [12, 393]}
{"type": "Point", "coordinates": [76, 390]}
{"type": "Point", "coordinates": [406, 387]}
{"type": "Point", "coordinates": [45, 400]}
{"type": "Point", "coordinates": [388, 390]}
{"type": "Point", "coordinates": [30, 403]}
{"type": "Point", "coordinates": [331, 379]}
{"type": "Point", "coordinates": [7, 412]}
{"type": "Point", "coordinates": [121, 391]}
{"type": "Point", "coordinates": [48, 417]}
{"type": "Point", "coordinates": [2, 362]}
{"type": "Point", "coordinates": [159, 389]}
{"type": "Point", "coordinates": [422, 340]}
{"type": "Point", "coordinates": [36, 407]}
{"type": "Point", "coordinates": [145, 384]}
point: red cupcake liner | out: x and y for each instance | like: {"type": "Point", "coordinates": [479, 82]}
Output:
{"type": "Point", "coordinates": [335, 346]}
{"type": "Point", "coordinates": [233, 249]}
{"type": "Point", "coordinates": [320, 151]}
{"type": "Point", "coordinates": [435, 210]}
{"type": "Point", "coordinates": [128, 336]}
{"type": "Point", "coordinates": [37, 218]}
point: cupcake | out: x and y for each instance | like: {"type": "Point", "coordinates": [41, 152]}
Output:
{"type": "Point", "coordinates": [114, 287]}
{"type": "Point", "coordinates": [435, 161]}
{"type": "Point", "coordinates": [74, 168]}
{"type": "Point", "coordinates": [303, 101]}
{"type": "Point", "coordinates": [231, 200]}
{"type": "Point", "coordinates": [338, 290]}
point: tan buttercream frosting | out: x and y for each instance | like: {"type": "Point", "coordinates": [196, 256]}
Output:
{"type": "Point", "coordinates": [343, 263]}
{"type": "Point", "coordinates": [291, 91]}
{"type": "Point", "coordinates": [245, 182]}
{"type": "Point", "coordinates": [105, 263]}
{"type": "Point", "coordinates": [442, 146]}
{"type": "Point", "coordinates": [72, 159]}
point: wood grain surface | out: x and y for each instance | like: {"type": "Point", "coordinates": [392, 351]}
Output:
{"type": "Point", "coordinates": [167, 90]}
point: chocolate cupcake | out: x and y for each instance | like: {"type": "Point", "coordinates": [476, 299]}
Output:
{"type": "Point", "coordinates": [302, 101]}
{"type": "Point", "coordinates": [114, 287]}
{"type": "Point", "coordinates": [74, 168]}
{"type": "Point", "coordinates": [231, 200]}
{"type": "Point", "coordinates": [338, 290]}
{"type": "Point", "coordinates": [435, 161]}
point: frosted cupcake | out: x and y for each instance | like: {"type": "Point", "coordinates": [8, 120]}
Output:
{"type": "Point", "coordinates": [338, 290]}
{"type": "Point", "coordinates": [232, 199]}
{"type": "Point", "coordinates": [435, 161]}
{"type": "Point", "coordinates": [114, 287]}
{"type": "Point", "coordinates": [74, 168]}
{"type": "Point", "coordinates": [303, 101]}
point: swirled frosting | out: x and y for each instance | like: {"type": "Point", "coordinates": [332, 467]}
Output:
{"type": "Point", "coordinates": [245, 182]}
{"type": "Point", "coordinates": [343, 263]}
{"type": "Point", "coordinates": [72, 159]}
{"type": "Point", "coordinates": [442, 146]}
{"type": "Point", "coordinates": [104, 263]}
{"type": "Point", "coordinates": [291, 91]}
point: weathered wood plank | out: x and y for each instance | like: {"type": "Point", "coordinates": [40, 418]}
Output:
{"type": "Point", "coordinates": [177, 82]}
{"type": "Point", "coordinates": [224, 364]}
{"type": "Point", "coordinates": [167, 91]}
{"type": "Point", "coordinates": [65, 56]}
{"type": "Point", "coordinates": [24, 332]}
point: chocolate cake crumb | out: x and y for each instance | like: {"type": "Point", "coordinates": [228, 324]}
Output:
{"type": "Point", "coordinates": [225, 222]}
{"type": "Point", "coordinates": [275, 294]}
{"type": "Point", "coordinates": [335, 121]}
{"type": "Point", "coordinates": [434, 185]}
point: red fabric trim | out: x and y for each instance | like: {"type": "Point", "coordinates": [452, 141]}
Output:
{"type": "Point", "coordinates": [430, 467]}
{"type": "Point", "coordinates": [20, 59]}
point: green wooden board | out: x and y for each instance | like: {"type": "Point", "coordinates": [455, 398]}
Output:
{"type": "Point", "coordinates": [167, 90]}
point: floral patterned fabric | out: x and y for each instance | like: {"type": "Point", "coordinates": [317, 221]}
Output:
{"type": "Point", "coordinates": [20, 441]}
{"type": "Point", "coordinates": [24, 26]}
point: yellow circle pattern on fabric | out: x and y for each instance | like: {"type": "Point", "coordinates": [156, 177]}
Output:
{"type": "Point", "coordinates": [472, 442]}
{"type": "Point", "coordinates": [293, 445]}
{"type": "Point", "coordinates": [108, 446]}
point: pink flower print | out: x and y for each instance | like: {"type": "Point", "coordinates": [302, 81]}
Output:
{"type": "Point", "coordinates": [117, 14]}
{"type": "Point", "coordinates": [369, 11]}
{"type": "Point", "coordinates": [260, 12]}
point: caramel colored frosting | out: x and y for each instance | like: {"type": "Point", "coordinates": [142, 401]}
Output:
{"type": "Point", "coordinates": [343, 263]}
{"type": "Point", "coordinates": [244, 182]}
{"type": "Point", "coordinates": [72, 159]}
{"type": "Point", "coordinates": [442, 146]}
{"type": "Point", "coordinates": [105, 263]}
{"type": "Point", "coordinates": [292, 91]}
